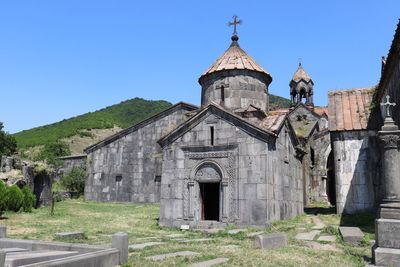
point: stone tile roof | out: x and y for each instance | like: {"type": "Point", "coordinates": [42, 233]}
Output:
{"type": "Point", "coordinates": [235, 58]}
{"type": "Point", "coordinates": [273, 122]}
{"type": "Point", "coordinates": [321, 110]}
{"type": "Point", "coordinates": [349, 109]}
{"type": "Point", "coordinates": [301, 74]}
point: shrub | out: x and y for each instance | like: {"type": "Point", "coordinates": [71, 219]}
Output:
{"type": "Point", "coordinates": [52, 151]}
{"type": "Point", "coordinates": [3, 203]}
{"type": "Point", "coordinates": [75, 180]}
{"type": "Point", "coordinates": [28, 200]}
{"type": "Point", "coordinates": [14, 198]}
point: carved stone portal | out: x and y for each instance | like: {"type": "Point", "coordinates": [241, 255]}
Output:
{"type": "Point", "coordinates": [218, 168]}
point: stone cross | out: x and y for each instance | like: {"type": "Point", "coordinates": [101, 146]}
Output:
{"type": "Point", "coordinates": [387, 105]}
{"type": "Point", "coordinates": [234, 23]}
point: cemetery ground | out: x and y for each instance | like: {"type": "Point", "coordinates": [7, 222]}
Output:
{"type": "Point", "coordinates": [99, 221]}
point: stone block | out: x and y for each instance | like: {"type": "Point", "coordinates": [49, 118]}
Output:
{"type": "Point", "coordinates": [170, 255]}
{"type": "Point", "coordinates": [3, 231]}
{"type": "Point", "coordinates": [352, 235]}
{"type": "Point", "coordinates": [75, 235]}
{"type": "Point", "coordinates": [2, 258]}
{"type": "Point", "coordinates": [120, 242]}
{"type": "Point", "coordinates": [271, 241]}
{"type": "Point", "coordinates": [388, 233]}
{"type": "Point", "coordinates": [386, 256]}
{"type": "Point", "coordinates": [210, 263]}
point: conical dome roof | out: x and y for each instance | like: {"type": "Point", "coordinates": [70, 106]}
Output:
{"type": "Point", "coordinates": [301, 74]}
{"type": "Point", "coordinates": [235, 58]}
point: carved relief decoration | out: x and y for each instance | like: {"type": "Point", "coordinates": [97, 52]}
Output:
{"type": "Point", "coordinates": [390, 140]}
{"type": "Point", "coordinates": [208, 172]}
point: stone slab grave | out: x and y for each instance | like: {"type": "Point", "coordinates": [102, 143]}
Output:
{"type": "Point", "coordinates": [210, 263]}
{"type": "Point", "coordinates": [319, 225]}
{"type": "Point", "coordinates": [319, 246]}
{"type": "Point", "coordinates": [236, 231]}
{"type": "Point", "coordinates": [29, 257]}
{"type": "Point", "coordinates": [327, 238]}
{"type": "Point", "coordinates": [271, 241]}
{"type": "Point", "coordinates": [161, 257]}
{"type": "Point", "coordinates": [144, 245]}
{"type": "Point", "coordinates": [72, 235]}
{"type": "Point", "coordinates": [34, 253]}
{"type": "Point", "coordinates": [307, 236]}
{"type": "Point", "coordinates": [352, 235]}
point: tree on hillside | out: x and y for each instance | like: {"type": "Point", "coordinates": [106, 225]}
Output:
{"type": "Point", "coordinates": [52, 151]}
{"type": "Point", "coordinates": [8, 144]}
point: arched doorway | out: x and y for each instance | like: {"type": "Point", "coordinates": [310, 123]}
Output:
{"type": "Point", "coordinates": [331, 185]}
{"type": "Point", "coordinates": [209, 177]}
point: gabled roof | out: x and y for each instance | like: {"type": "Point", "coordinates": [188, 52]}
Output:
{"type": "Point", "coordinates": [263, 131]}
{"type": "Point", "coordinates": [350, 109]}
{"type": "Point", "coordinates": [301, 74]}
{"type": "Point", "coordinates": [302, 105]}
{"type": "Point", "coordinates": [168, 111]}
{"type": "Point", "coordinates": [235, 58]}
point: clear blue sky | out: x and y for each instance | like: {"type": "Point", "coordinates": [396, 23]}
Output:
{"type": "Point", "coordinates": [63, 58]}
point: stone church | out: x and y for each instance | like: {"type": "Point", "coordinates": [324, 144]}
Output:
{"type": "Point", "coordinates": [232, 160]}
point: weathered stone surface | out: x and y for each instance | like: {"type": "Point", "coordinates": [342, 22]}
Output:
{"type": "Point", "coordinates": [351, 235]}
{"type": "Point", "coordinates": [386, 256]}
{"type": "Point", "coordinates": [75, 235]}
{"type": "Point", "coordinates": [2, 257]}
{"type": "Point", "coordinates": [235, 231]}
{"type": "Point", "coordinates": [29, 257]}
{"type": "Point", "coordinates": [307, 236]}
{"type": "Point", "coordinates": [388, 233]}
{"type": "Point", "coordinates": [3, 231]}
{"type": "Point", "coordinates": [271, 241]}
{"type": "Point", "coordinates": [210, 263]}
{"type": "Point", "coordinates": [9, 250]}
{"type": "Point", "coordinates": [255, 234]}
{"type": "Point", "coordinates": [174, 254]}
{"type": "Point", "coordinates": [318, 224]}
{"type": "Point", "coordinates": [327, 238]}
{"type": "Point", "coordinates": [144, 245]}
{"type": "Point", "coordinates": [319, 246]}
{"type": "Point", "coordinates": [120, 242]}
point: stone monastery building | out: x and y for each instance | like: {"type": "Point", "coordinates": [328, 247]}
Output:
{"type": "Point", "coordinates": [232, 160]}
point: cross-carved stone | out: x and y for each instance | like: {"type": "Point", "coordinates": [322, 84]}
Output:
{"type": "Point", "coordinates": [387, 105]}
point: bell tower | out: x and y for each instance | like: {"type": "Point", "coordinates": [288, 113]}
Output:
{"type": "Point", "coordinates": [301, 88]}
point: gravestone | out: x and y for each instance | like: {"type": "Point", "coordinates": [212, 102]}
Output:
{"type": "Point", "coordinates": [2, 258]}
{"type": "Point", "coordinates": [352, 235]}
{"type": "Point", "coordinates": [120, 242]}
{"type": "Point", "coordinates": [3, 231]}
{"type": "Point", "coordinates": [386, 250]}
{"type": "Point", "coordinates": [271, 241]}
{"type": "Point", "coordinates": [72, 235]}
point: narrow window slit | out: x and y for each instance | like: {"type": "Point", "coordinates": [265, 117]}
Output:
{"type": "Point", "coordinates": [212, 135]}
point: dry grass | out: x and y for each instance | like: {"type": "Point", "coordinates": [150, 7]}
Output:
{"type": "Point", "coordinates": [100, 220]}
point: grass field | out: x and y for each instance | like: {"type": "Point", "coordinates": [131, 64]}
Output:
{"type": "Point", "coordinates": [100, 220]}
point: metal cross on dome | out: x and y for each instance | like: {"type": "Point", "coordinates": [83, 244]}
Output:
{"type": "Point", "coordinates": [234, 23]}
{"type": "Point", "coordinates": [387, 105]}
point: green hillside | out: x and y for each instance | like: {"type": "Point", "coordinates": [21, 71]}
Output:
{"type": "Point", "coordinates": [124, 114]}
{"type": "Point", "coordinates": [278, 102]}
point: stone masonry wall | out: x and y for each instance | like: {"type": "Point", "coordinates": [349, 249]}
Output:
{"type": "Point", "coordinates": [129, 168]}
{"type": "Point", "coordinates": [261, 180]}
{"type": "Point", "coordinates": [357, 165]}
{"type": "Point", "coordinates": [242, 89]}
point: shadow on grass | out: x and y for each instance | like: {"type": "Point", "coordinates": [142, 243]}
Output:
{"type": "Point", "coordinates": [364, 221]}
{"type": "Point", "coordinates": [320, 210]}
